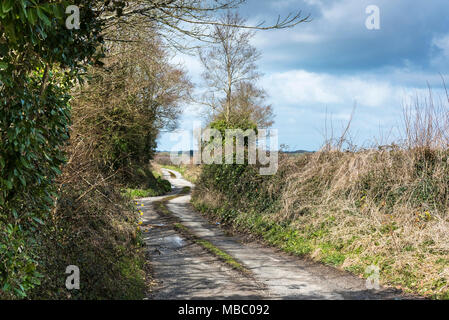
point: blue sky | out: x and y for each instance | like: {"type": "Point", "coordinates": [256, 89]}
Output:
{"type": "Point", "coordinates": [334, 62]}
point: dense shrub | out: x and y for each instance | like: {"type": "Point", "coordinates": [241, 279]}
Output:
{"type": "Point", "coordinates": [116, 120]}
{"type": "Point", "coordinates": [349, 209]}
{"type": "Point", "coordinates": [127, 101]}
{"type": "Point", "coordinates": [94, 228]}
{"type": "Point", "coordinates": [142, 183]}
{"type": "Point", "coordinates": [36, 74]}
{"type": "Point", "coordinates": [47, 221]}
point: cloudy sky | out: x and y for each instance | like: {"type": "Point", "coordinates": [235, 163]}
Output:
{"type": "Point", "coordinates": [323, 68]}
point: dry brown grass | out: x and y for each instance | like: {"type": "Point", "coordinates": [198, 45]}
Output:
{"type": "Point", "coordinates": [387, 205]}
{"type": "Point", "coordinates": [378, 206]}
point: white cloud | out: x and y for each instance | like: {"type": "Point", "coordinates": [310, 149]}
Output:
{"type": "Point", "coordinates": [313, 55]}
{"type": "Point", "coordinates": [301, 87]}
{"type": "Point", "coordinates": [282, 3]}
{"type": "Point", "coordinates": [441, 43]}
{"type": "Point", "coordinates": [190, 63]}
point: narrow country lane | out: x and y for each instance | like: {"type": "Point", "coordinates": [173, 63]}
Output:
{"type": "Point", "coordinates": [184, 270]}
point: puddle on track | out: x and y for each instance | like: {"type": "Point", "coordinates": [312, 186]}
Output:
{"type": "Point", "coordinates": [173, 242]}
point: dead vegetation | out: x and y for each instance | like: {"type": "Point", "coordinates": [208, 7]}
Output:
{"type": "Point", "coordinates": [386, 206]}
{"type": "Point", "coordinates": [116, 117]}
{"type": "Point", "coordinates": [93, 227]}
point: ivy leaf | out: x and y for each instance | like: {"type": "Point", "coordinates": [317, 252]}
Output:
{"type": "Point", "coordinates": [22, 179]}
{"type": "Point", "coordinates": [58, 12]}
{"type": "Point", "coordinates": [14, 213]}
{"type": "Point", "coordinates": [43, 17]}
{"type": "Point", "coordinates": [32, 16]}
{"type": "Point", "coordinates": [8, 184]}
{"type": "Point", "coordinates": [7, 5]}
{"type": "Point", "coordinates": [38, 220]}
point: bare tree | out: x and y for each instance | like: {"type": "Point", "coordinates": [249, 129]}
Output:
{"type": "Point", "coordinates": [130, 99]}
{"type": "Point", "coordinates": [249, 103]}
{"type": "Point", "coordinates": [229, 63]}
{"type": "Point", "coordinates": [191, 18]}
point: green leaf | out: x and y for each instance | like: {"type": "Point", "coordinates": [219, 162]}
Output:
{"type": "Point", "coordinates": [22, 179]}
{"type": "Point", "coordinates": [56, 170]}
{"type": "Point", "coordinates": [8, 184]}
{"type": "Point", "coordinates": [14, 213]}
{"type": "Point", "coordinates": [32, 16]}
{"type": "Point", "coordinates": [47, 8]}
{"type": "Point", "coordinates": [43, 17]}
{"type": "Point", "coordinates": [7, 5]}
{"type": "Point", "coordinates": [3, 65]}
{"type": "Point", "coordinates": [24, 163]}
{"type": "Point", "coordinates": [11, 32]}
{"type": "Point", "coordinates": [20, 293]}
{"type": "Point", "coordinates": [58, 12]}
{"type": "Point", "coordinates": [6, 287]}
{"type": "Point", "coordinates": [38, 220]}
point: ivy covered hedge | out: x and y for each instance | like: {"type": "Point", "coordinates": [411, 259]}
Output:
{"type": "Point", "coordinates": [39, 61]}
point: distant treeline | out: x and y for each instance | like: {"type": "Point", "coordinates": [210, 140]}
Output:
{"type": "Point", "coordinates": [191, 152]}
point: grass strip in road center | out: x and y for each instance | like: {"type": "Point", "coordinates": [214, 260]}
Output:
{"type": "Point", "coordinates": [161, 207]}
{"type": "Point", "coordinates": [220, 254]}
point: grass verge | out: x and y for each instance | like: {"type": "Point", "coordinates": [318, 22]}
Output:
{"type": "Point", "coordinates": [347, 210]}
{"type": "Point", "coordinates": [141, 193]}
